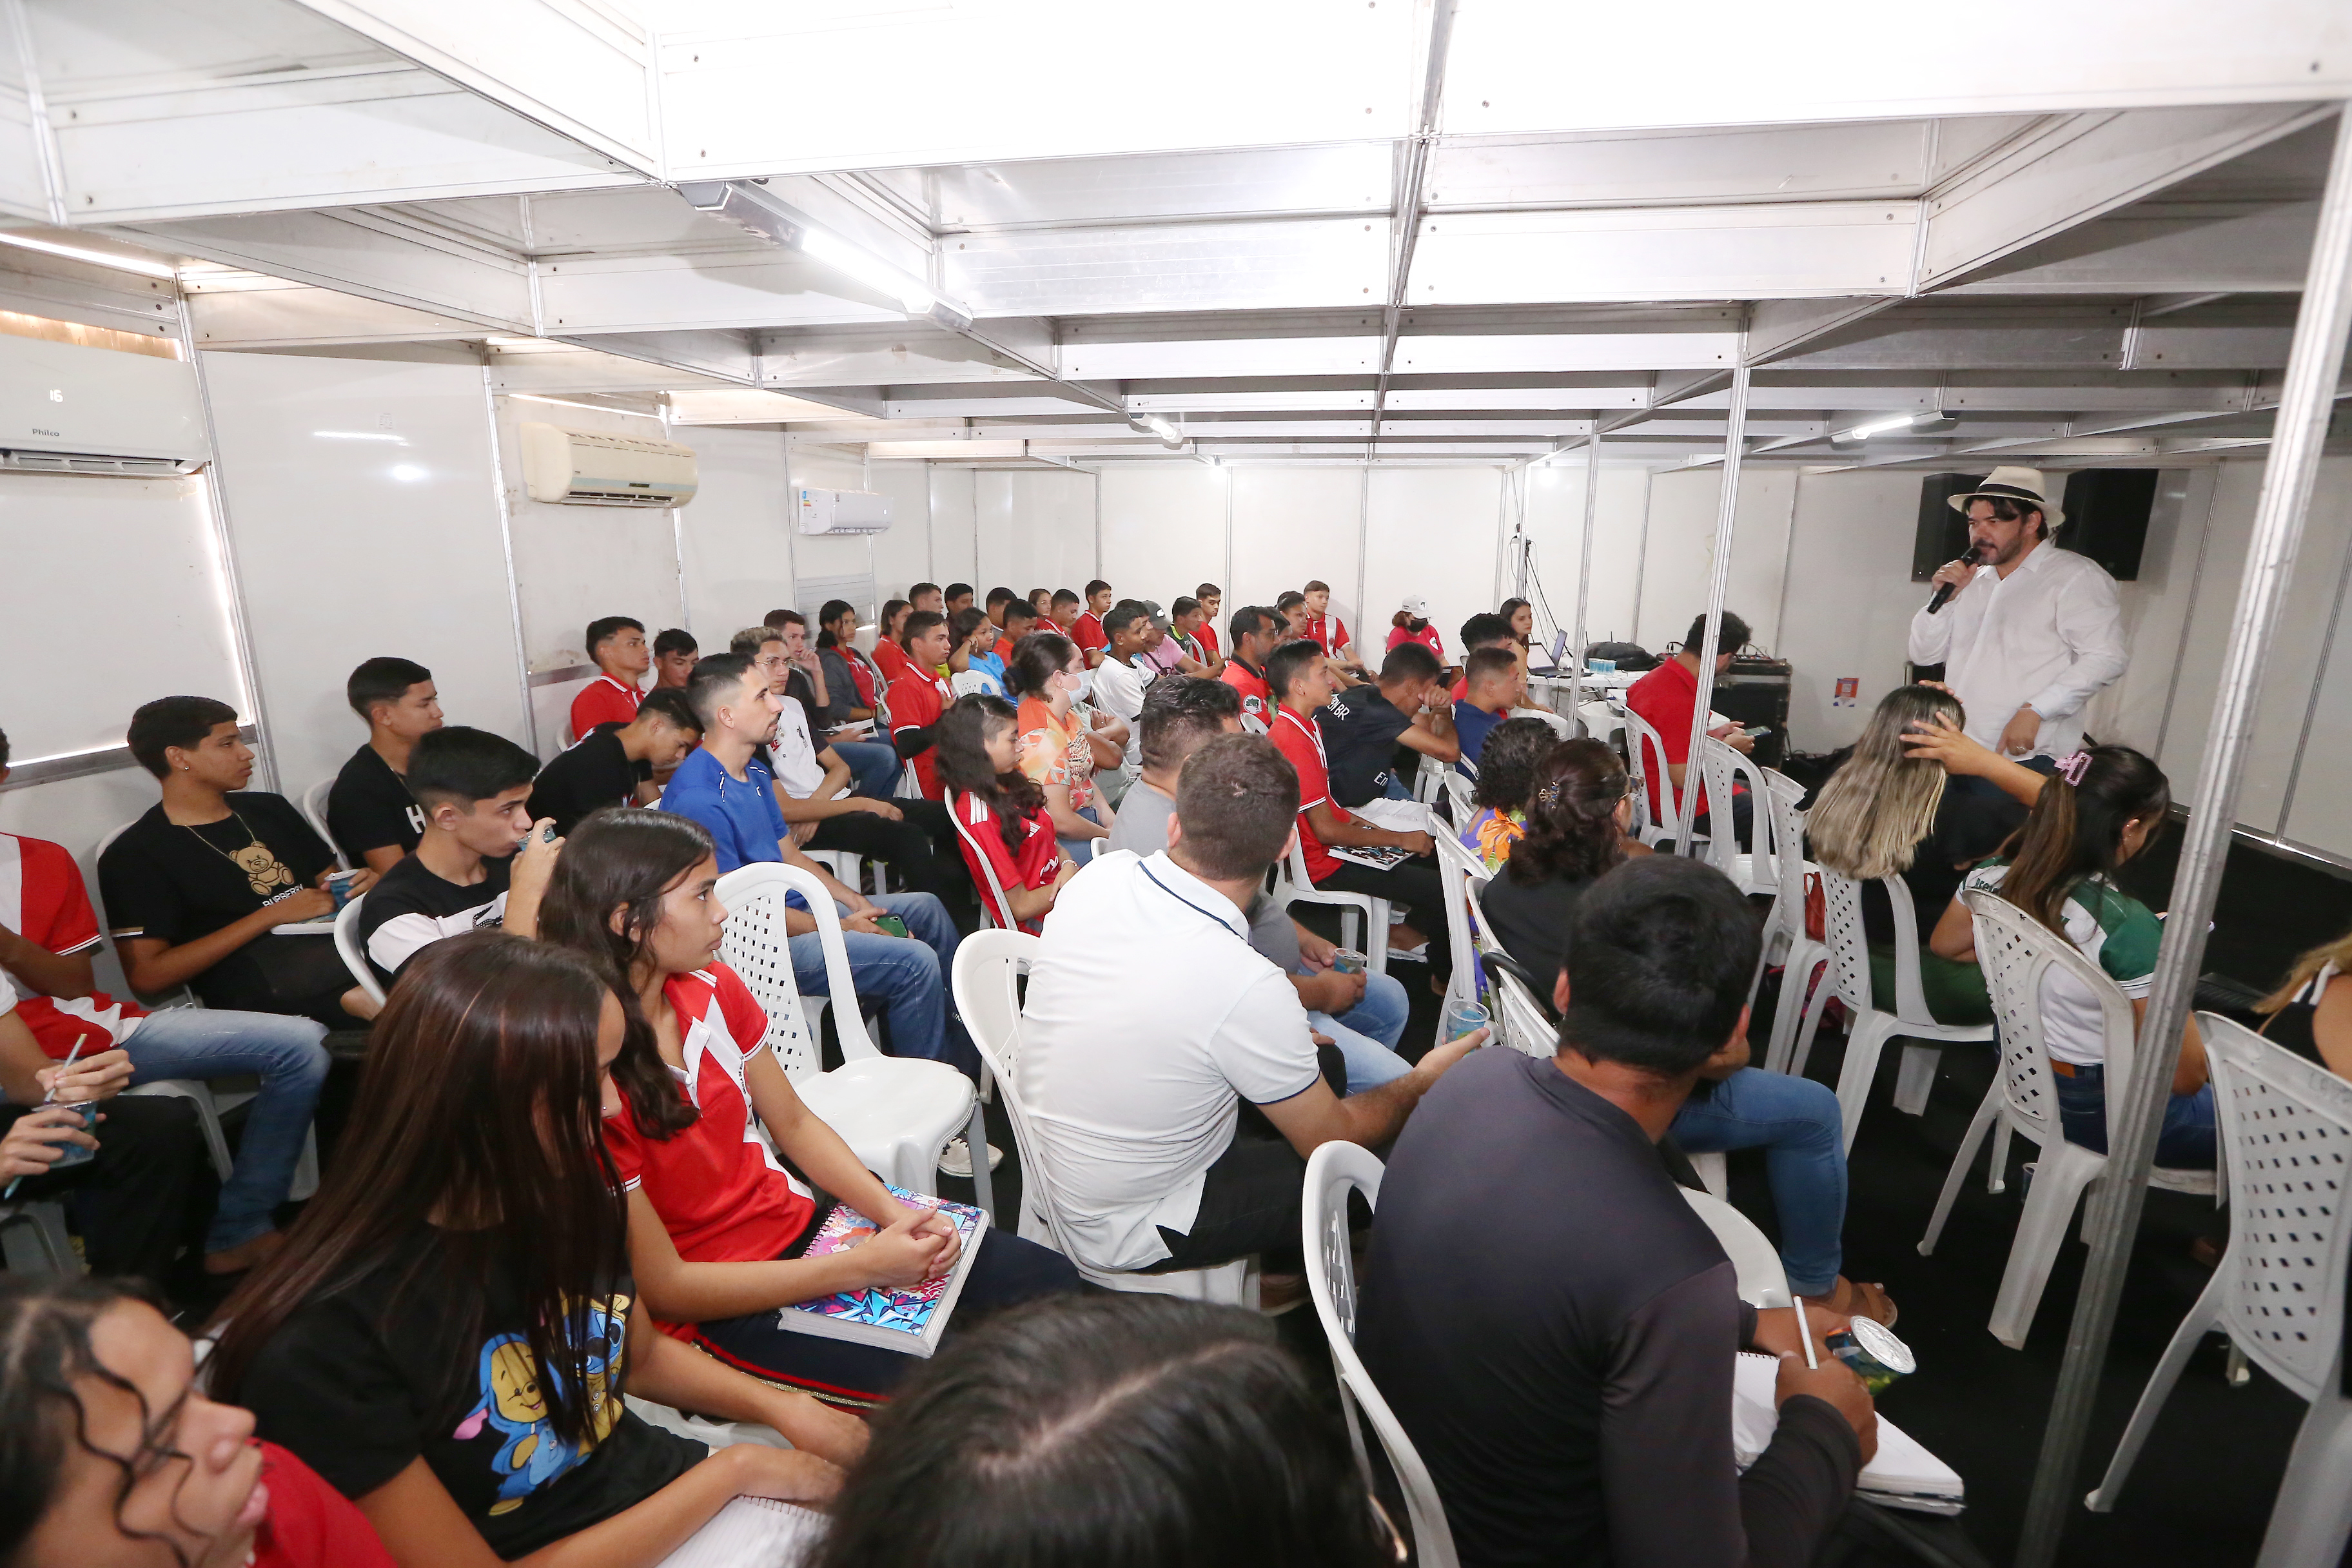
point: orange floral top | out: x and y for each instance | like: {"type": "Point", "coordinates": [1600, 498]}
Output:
{"type": "Point", "coordinates": [1055, 750]}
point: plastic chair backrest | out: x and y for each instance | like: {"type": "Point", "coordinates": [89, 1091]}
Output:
{"type": "Point", "coordinates": [2017, 953]}
{"type": "Point", "coordinates": [347, 944]}
{"type": "Point", "coordinates": [1525, 1027]}
{"type": "Point", "coordinates": [1335, 1170]}
{"type": "Point", "coordinates": [1459, 790]}
{"type": "Point", "coordinates": [1762, 1281]}
{"type": "Point", "coordinates": [988, 966]}
{"type": "Point", "coordinates": [1641, 743]}
{"type": "Point", "coordinates": [757, 946]}
{"type": "Point", "coordinates": [971, 682]}
{"type": "Point", "coordinates": [1722, 764]}
{"type": "Point", "coordinates": [314, 812]}
{"type": "Point", "coordinates": [1600, 720]}
{"type": "Point", "coordinates": [1785, 797]}
{"type": "Point", "coordinates": [2285, 1130]}
{"type": "Point", "coordinates": [1910, 992]}
{"type": "Point", "coordinates": [995, 909]}
{"type": "Point", "coordinates": [1849, 946]}
{"type": "Point", "coordinates": [1456, 867]}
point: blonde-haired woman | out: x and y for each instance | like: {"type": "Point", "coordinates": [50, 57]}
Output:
{"type": "Point", "coordinates": [1921, 801]}
{"type": "Point", "coordinates": [2311, 1014]}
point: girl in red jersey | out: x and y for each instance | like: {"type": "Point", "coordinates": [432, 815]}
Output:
{"type": "Point", "coordinates": [1000, 813]}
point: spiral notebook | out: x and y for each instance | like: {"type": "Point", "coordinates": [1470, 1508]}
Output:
{"type": "Point", "coordinates": [752, 1532]}
{"type": "Point", "coordinates": [1902, 1474]}
{"type": "Point", "coordinates": [911, 1319]}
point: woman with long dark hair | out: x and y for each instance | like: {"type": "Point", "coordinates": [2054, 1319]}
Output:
{"type": "Point", "coordinates": [716, 1231]}
{"type": "Point", "coordinates": [450, 1330]}
{"type": "Point", "coordinates": [2100, 809]}
{"type": "Point", "coordinates": [112, 1457]}
{"type": "Point", "coordinates": [1000, 813]}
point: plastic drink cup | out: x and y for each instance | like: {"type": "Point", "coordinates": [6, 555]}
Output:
{"type": "Point", "coordinates": [1463, 1018]}
{"type": "Point", "coordinates": [1347, 960]}
{"type": "Point", "coordinates": [72, 1154]}
{"type": "Point", "coordinates": [339, 885]}
{"type": "Point", "coordinates": [1599, 667]}
{"type": "Point", "coordinates": [1877, 1357]}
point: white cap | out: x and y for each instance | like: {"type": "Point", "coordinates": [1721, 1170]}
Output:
{"type": "Point", "coordinates": [1416, 607]}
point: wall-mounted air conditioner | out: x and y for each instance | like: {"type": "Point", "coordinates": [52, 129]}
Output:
{"type": "Point", "coordinates": [586, 467]}
{"type": "Point", "coordinates": [843, 511]}
{"type": "Point", "coordinates": [66, 408]}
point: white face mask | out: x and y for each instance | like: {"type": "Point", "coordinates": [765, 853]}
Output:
{"type": "Point", "coordinates": [1086, 680]}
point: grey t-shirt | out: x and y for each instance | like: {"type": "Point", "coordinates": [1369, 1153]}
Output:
{"type": "Point", "coordinates": [1142, 826]}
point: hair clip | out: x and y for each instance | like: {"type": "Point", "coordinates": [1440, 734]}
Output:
{"type": "Point", "coordinates": [2072, 768]}
{"type": "Point", "coordinates": [1548, 795]}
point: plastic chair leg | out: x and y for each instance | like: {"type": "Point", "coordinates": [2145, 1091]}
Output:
{"type": "Point", "coordinates": [1979, 1125]}
{"type": "Point", "coordinates": [1376, 947]}
{"type": "Point", "coordinates": [1997, 1173]}
{"type": "Point", "coordinates": [2058, 1183]}
{"type": "Point", "coordinates": [1861, 1069]}
{"type": "Point", "coordinates": [2202, 1319]}
{"type": "Point", "coordinates": [1915, 1078]}
{"type": "Point", "coordinates": [2314, 1511]}
{"type": "Point", "coordinates": [1815, 1007]}
{"type": "Point", "coordinates": [305, 1183]}
{"type": "Point", "coordinates": [1796, 978]}
{"type": "Point", "coordinates": [975, 1138]}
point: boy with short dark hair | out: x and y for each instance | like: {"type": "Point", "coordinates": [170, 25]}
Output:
{"type": "Point", "coordinates": [1493, 685]}
{"type": "Point", "coordinates": [675, 652]}
{"type": "Point", "coordinates": [610, 767]}
{"type": "Point", "coordinates": [1019, 619]}
{"type": "Point", "coordinates": [958, 598]}
{"type": "Point", "coordinates": [370, 813]}
{"type": "Point", "coordinates": [927, 596]}
{"type": "Point", "coordinates": [617, 645]}
{"type": "Point", "coordinates": [1363, 727]}
{"type": "Point", "coordinates": [1086, 629]}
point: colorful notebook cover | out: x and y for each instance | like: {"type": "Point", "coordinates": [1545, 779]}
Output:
{"type": "Point", "coordinates": [910, 1321]}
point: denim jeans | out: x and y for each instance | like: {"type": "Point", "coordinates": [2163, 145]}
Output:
{"type": "Point", "coordinates": [1083, 849]}
{"type": "Point", "coordinates": [1796, 1122]}
{"type": "Point", "coordinates": [907, 976]}
{"type": "Point", "coordinates": [2187, 1141]}
{"type": "Point", "coordinates": [873, 767]}
{"type": "Point", "coordinates": [1367, 1031]}
{"type": "Point", "coordinates": [287, 1054]}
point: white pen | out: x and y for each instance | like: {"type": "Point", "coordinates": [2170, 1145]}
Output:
{"type": "Point", "coordinates": [1804, 1330]}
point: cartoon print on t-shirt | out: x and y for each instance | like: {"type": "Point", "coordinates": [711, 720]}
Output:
{"type": "Point", "coordinates": [514, 1402]}
{"type": "Point", "coordinates": [264, 872]}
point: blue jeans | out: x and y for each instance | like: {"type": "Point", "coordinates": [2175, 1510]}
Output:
{"type": "Point", "coordinates": [908, 977]}
{"type": "Point", "coordinates": [1399, 788]}
{"type": "Point", "coordinates": [1082, 849]}
{"type": "Point", "coordinates": [287, 1054]}
{"type": "Point", "coordinates": [2186, 1141]}
{"type": "Point", "coordinates": [1367, 1031]}
{"type": "Point", "coordinates": [873, 767]}
{"type": "Point", "coordinates": [1796, 1122]}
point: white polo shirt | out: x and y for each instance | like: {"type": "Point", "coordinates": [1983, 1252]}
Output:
{"type": "Point", "coordinates": [1120, 687]}
{"type": "Point", "coordinates": [1148, 1020]}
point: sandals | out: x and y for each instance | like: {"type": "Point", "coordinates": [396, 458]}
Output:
{"type": "Point", "coordinates": [1860, 1298]}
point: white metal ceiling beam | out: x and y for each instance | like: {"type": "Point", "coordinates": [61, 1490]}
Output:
{"type": "Point", "coordinates": [365, 252]}
{"type": "Point", "coordinates": [2160, 247]}
{"type": "Point", "coordinates": [1272, 264]}
{"type": "Point", "coordinates": [243, 310]}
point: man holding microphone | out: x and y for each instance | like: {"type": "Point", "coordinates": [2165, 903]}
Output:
{"type": "Point", "coordinates": [2030, 633]}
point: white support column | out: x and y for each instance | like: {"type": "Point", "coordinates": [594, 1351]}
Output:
{"type": "Point", "coordinates": [1717, 582]}
{"type": "Point", "coordinates": [1583, 578]}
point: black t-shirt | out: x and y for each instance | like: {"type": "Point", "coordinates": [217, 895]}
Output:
{"type": "Point", "coordinates": [595, 773]}
{"type": "Point", "coordinates": [1567, 1376]}
{"type": "Point", "coordinates": [369, 807]}
{"type": "Point", "coordinates": [362, 1380]}
{"type": "Point", "coordinates": [176, 883]}
{"type": "Point", "coordinates": [412, 907]}
{"type": "Point", "coordinates": [1974, 819]}
{"type": "Point", "coordinates": [1359, 738]}
{"type": "Point", "coordinates": [1532, 922]}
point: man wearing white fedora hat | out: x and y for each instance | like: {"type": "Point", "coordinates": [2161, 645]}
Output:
{"type": "Point", "coordinates": [2031, 632]}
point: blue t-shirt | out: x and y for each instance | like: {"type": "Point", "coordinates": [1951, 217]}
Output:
{"type": "Point", "coordinates": [744, 820]}
{"type": "Point", "coordinates": [1472, 724]}
{"type": "Point", "coordinates": [989, 665]}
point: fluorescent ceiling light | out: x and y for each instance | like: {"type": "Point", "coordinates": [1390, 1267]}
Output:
{"type": "Point", "coordinates": [1881, 427]}
{"type": "Point", "coordinates": [502, 341]}
{"type": "Point", "coordinates": [361, 436]}
{"type": "Point", "coordinates": [1157, 425]}
{"type": "Point", "coordinates": [95, 257]}
{"type": "Point", "coordinates": [1927, 422]}
{"type": "Point", "coordinates": [407, 473]}
{"type": "Point", "coordinates": [868, 268]}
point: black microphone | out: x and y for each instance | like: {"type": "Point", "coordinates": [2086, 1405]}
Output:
{"type": "Point", "coordinates": [1943, 592]}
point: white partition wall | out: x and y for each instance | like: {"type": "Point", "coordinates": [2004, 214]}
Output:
{"type": "Point", "coordinates": [1293, 525]}
{"type": "Point", "coordinates": [1681, 548]}
{"type": "Point", "coordinates": [954, 536]}
{"type": "Point", "coordinates": [1555, 523]}
{"type": "Point", "coordinates": [1164, 529]}
{"type": "Point", "coordinates": [1034, 527]}
{"type": "Point", "coordinates": [1433, 532]}
{"type": "Point", "coordinates": [735, 539]}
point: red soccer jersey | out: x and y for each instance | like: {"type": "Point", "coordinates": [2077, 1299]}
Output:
{"type": "Point", "coordinates": [1206, 636]}
{"type": "Point", "coordinates": [891, 660]}
{"type": "Point", "coordinates": [1087, 633]}
{"type": "Point", "coordinates": [604, 701]}
{"type": "Point", "coordinates": [1328, 632]}
{"type": "Point", "coordinates": [916, 700]}
{"type": "Point", "coordinates": [1427, 638]}
{"type": "Point", "coordinates": [42, 900]}
{"type": "Point", "coordinates": [981, 833]}
{"type": "Point", "coordinates": [1258, 699]}
{"type": "Point", "coordinates": [1298, 739]}
{"type": "Point", "coordinates": [311, 1524]}
{"type": "Point", "coordinates": [720, 1193]}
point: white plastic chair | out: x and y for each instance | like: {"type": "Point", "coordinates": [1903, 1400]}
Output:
{"type": "Point", "coordinates": [1646, 758]}
{"type": "Point", "coordinates": [1525, 1027]}
{"type": "Point", "coordinates": [1871, 1028]}
{"type": "Point", "coordinates": [347, 943]}
{"type": "Point", "coordinates": [1753, 870]}
{"type": "Point", "coordinates": [1456, 868]}
{"type": "Point", "coordinates": [1334, 1170]}
{"type": "Point", "coordinates": [1601, 719]}
{"type": "Point", "coordinates": [1292, 885]}
{"type": "Point", "coordinates": [2018, 953]}
{"type": "Point", "coordinates": [896, 1113]}
{"type": "Point", "coordinates": [1461, 791]}
{"type": "Point", "coordinates": [32, 1239]}
{"type": "Point", "coordinates": [1784, 926]}
{"type": "Point", "coordinates": [994, 899]}
{"type": "Point", "coordinates": [2285, 1128]}
{"type": "Point", "coordinates": [1755, 1263]}
{"type": "Point", "coordinates": [314, 812]}
{"type": "Point", "coordinates": [987, 964]}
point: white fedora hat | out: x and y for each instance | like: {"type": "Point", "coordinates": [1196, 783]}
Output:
{"type": "Point", "coordinates": [2013, 484]}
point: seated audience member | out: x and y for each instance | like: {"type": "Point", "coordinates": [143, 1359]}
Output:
{"type": "Point", "coordinates": [370, 815]}
{"type": "Point", "coordinates": [1063, 611]}
{"type": "Point", "coordinates": [1255, 630]}
{"type": "Point", "coordinates": [994, 604]}
{"type": "Point", "coordinates": [1363, 1013]}
{"type": "Point", "coordinates": [483, 862]}
{"type": "Point", "coordinates": [1133, 1429]}
{"type": "Point", "coordinates": [1575, 833]}
{"type": "Point", "coordinates": [928, 597]}
{"type": "Point", "coordinates": [1521, 616]}
{"type": "Point", "coordinates": [1891, 811]}
{"type": "Point", "coordinates": [675, 652]}
{"type": "Point", "coordinates": [1509, 770]}
{"type": "Point", "coordinates": [1188, 628]}
{"type": "Point", "coordinates": [917, 696]}
{"type": "Point", "coordinates": [1301, 677]}
{"type": "Point", "coordinates": [1048, 674]}
{"type": "Point", "coordinates": [2099, 810]}
{"type": "Point", "coordinates": [725, 788]}
{"type": "Point", "coordinates": [1211, 600]}
{"type": "Point", "coordinates": [605, 767]}
{"type": "Point", "coordinates": [1087, 628]}
{"type": "Point", "coordinates": [811, 781]}
{"type": "Point", "coordinates": [889, 655]}
{"type": "Point", "coordinates": [2310, 1014]}
{"type": "Point", "coordinates": [1017, 865]}
{"type": "Point", "coordinates": [1020, 620]}
{"type": "Point", "coordinates": [1291, 605]}
{"type": "Point", "coordinates": [1411, 624]}
{"type": "Point", "coordinates": [973, 637]}
{"type": "Point", "coordinates": [795, 671]}
{"type": "Point", "coordinates": [850, 678]}
{"type": "Point", "coordinates": [1134, 1071]}
{"type": "Point", "coordinates": [1121, 679]}
{"type": "Point", "coordinates": [616, 646]}
{"type": "Point", "coordinates": [872, 762]}
{"type": "Point", "coordinates": [130, 1198]}
{"type": "Point", "coordinates": [1663, 698]}
{"type": "Point", "coordinates": [1565, 1376]}
{"type": "Point", "coordinates": [1495, 687]}
{"type": "Point", "coordinates": [958, 599]}
{"type": "Point", "coordinates": [1163, 654]}
{"type": "Point", "coordinates": [1326, 630]}
{"type": "Point", "coordinates": [1485, 629]}
{"type": "Point", "coordinates": [195, 887]}
{"type": "Point", "coordinates": [450, 1337]}
{"type": "Point", "coordinates": [1362, 726]}
{"type": "Point", "coordinates": [1041, 601]}
{"type": "Point", "coordinates": [716, 1229]}
{"type": "Point", "coordinates": [117, 1458]}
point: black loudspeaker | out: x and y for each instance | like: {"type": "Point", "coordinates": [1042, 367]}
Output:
{"type": "Point", "coordinates": [1943, 532]}
{"type": "Point", "coordinates": [2106, 517]}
